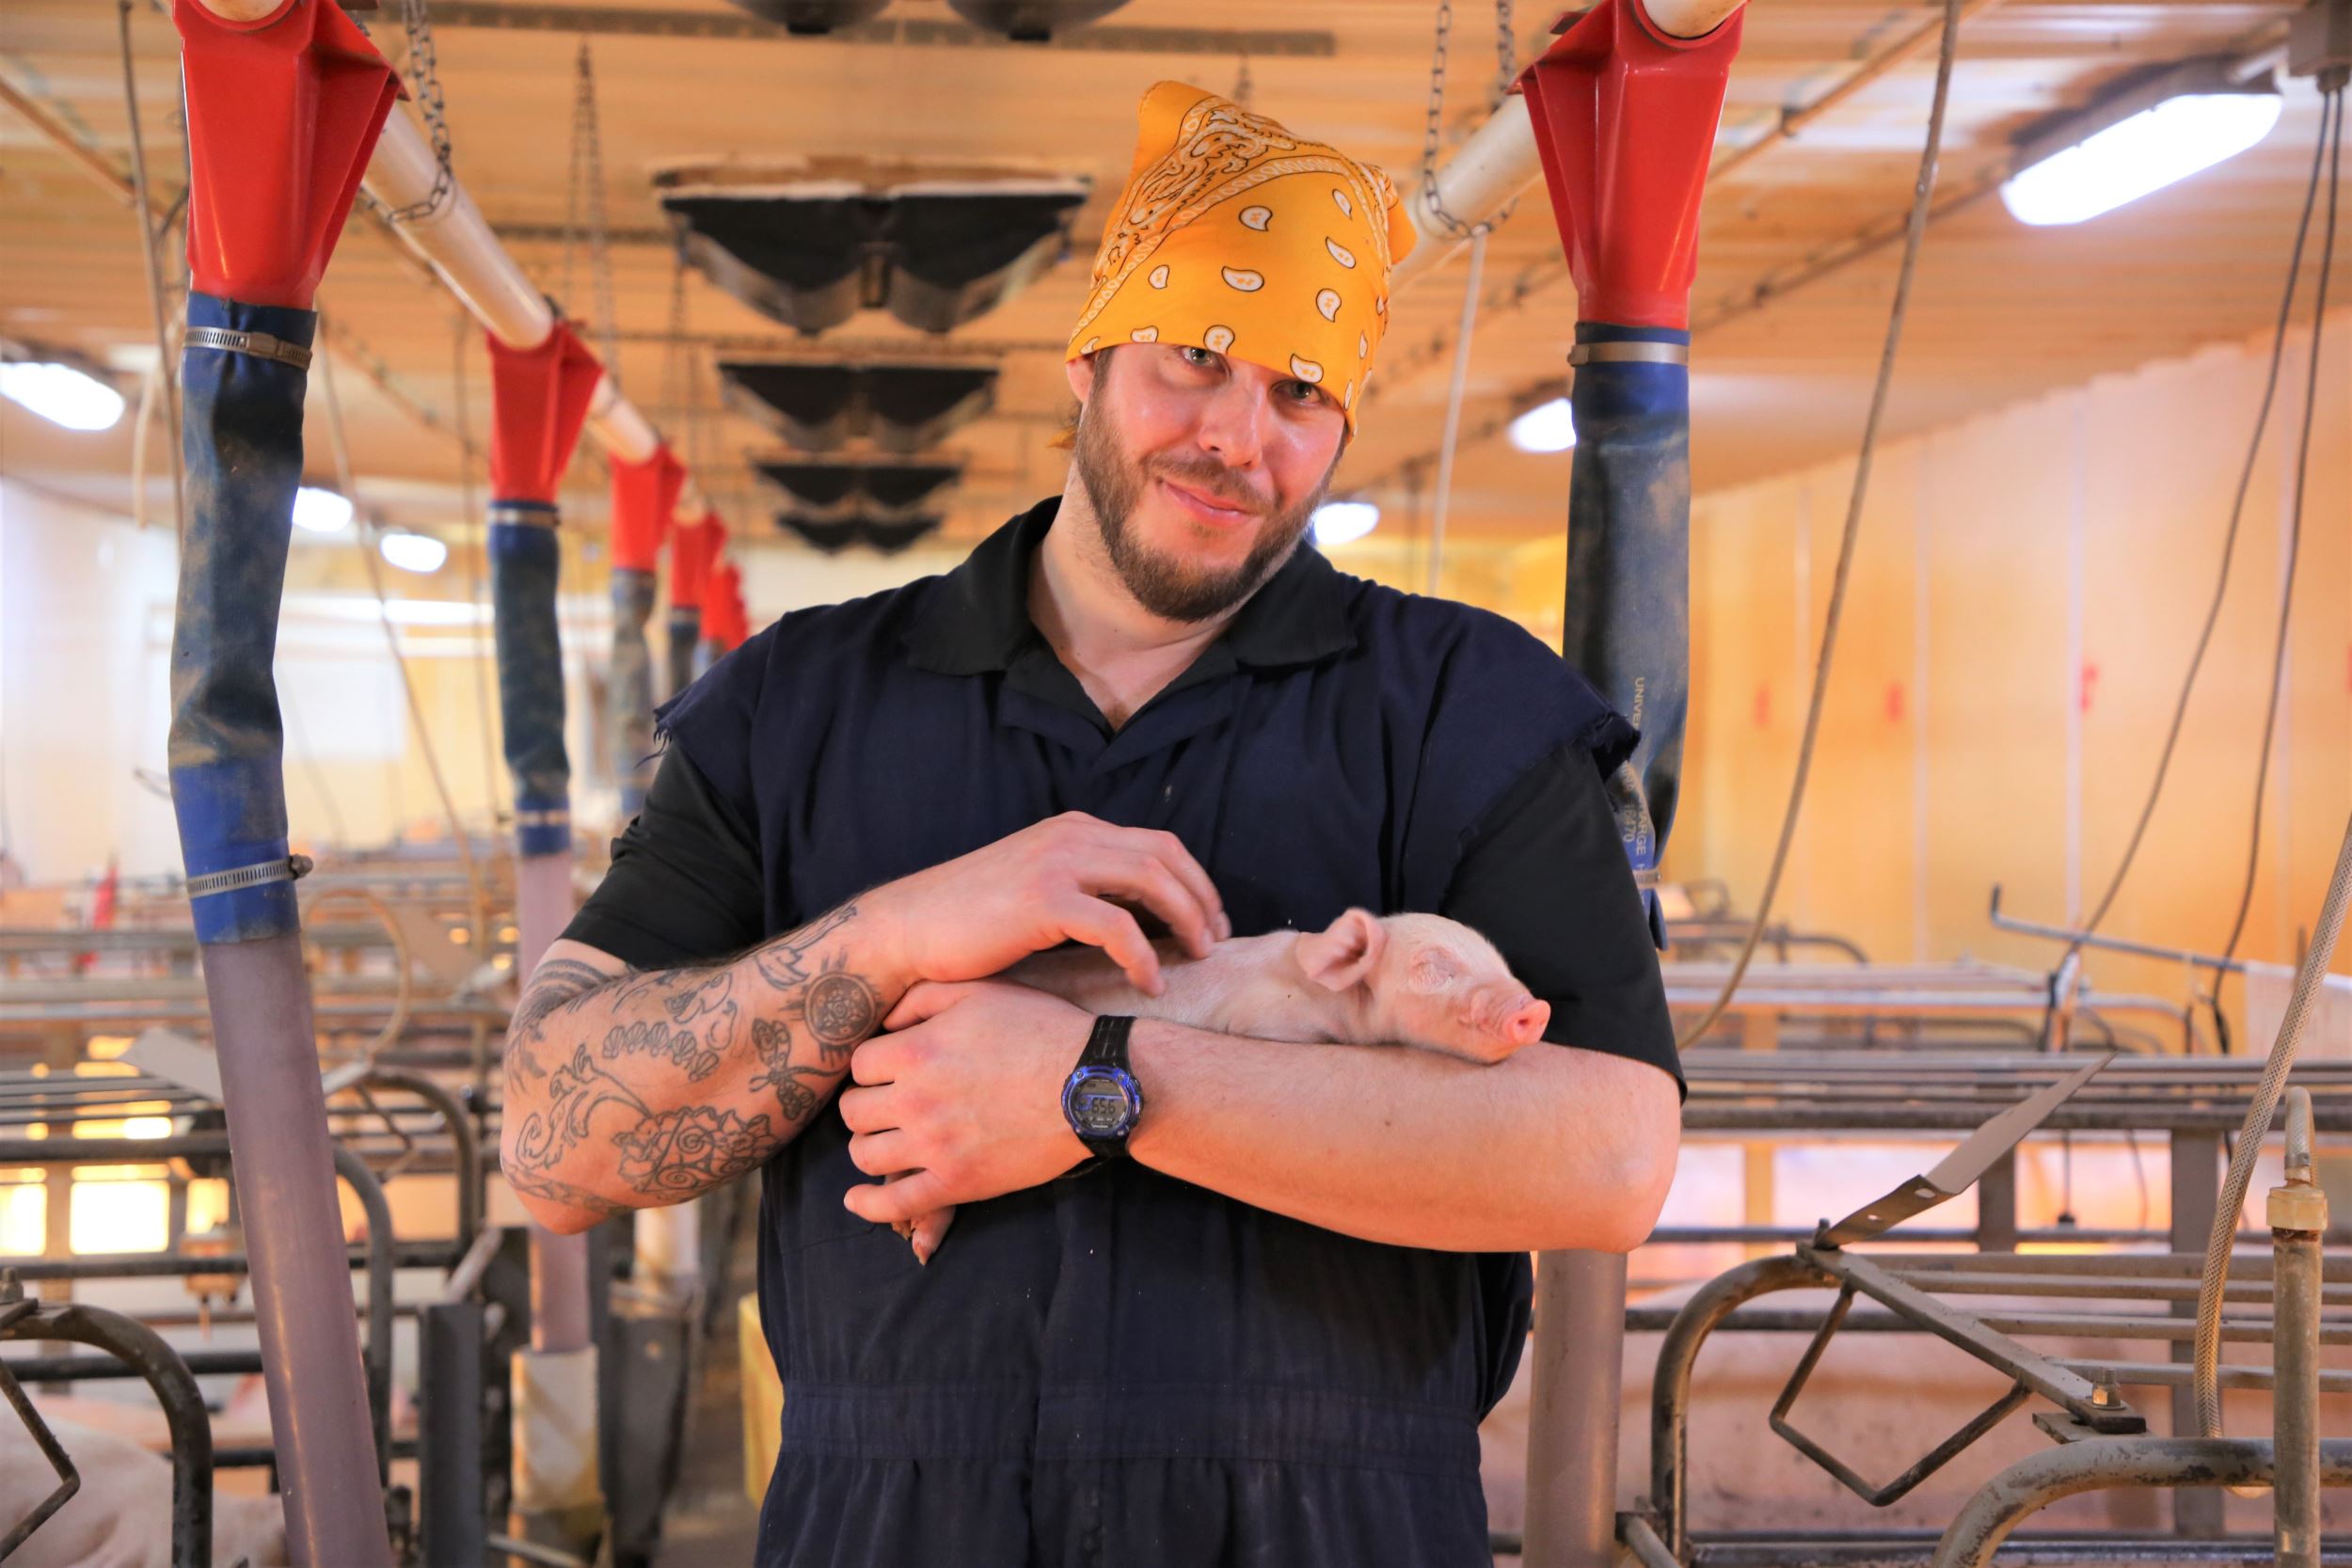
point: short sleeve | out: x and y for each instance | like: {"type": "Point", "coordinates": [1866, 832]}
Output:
{"type": "Point", "coordinates": [1544, 877]}
{"type": "Point", "coordinates": [685, 883]}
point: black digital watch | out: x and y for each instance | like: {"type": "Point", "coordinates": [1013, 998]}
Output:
{"type": "Point", "coordinates": [1100, 1097]}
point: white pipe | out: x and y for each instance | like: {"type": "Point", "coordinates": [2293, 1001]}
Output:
{"type": "Point", "coordinates": [1496, 164]}
{"type": "Point", "coordinates": [1689, 19]}
{"type": "Point", "coordinates": [1500, 160]}
{"type": "Point", "coordinates": [457, 242]}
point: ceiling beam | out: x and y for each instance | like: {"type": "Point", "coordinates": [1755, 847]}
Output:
{"type": "Point", "coordinates": [1103, 37]}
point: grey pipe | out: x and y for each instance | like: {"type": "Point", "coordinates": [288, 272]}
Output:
{"type": "Point", "coordinates": [376, 1353]}
{"type": "Point", "coordinates": [1579, 1347]}
{"type": "Point", "coordinates": [2099, 1463]}
{"type": "Point", "coordinates": [260, 1001]}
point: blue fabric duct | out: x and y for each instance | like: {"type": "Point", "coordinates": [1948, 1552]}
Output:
{"type": "Point", "coordinates": [1628, 622]}
{"type": "Point", "coordinates": [629, 686]}
{"type": "Point", "coordinates": [242, 436]}
{"type": "Point", "coordinates": [524, 559]}
{"type": "Point", "coordinates": [686, 634]}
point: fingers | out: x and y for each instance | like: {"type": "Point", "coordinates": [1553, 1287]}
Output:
{"type": "Point", "coordinates": [1106, 925]}
{"type": "Point", "coordinates": [930, 1231]}
{"type": "Point", "coordinates": [925, 999]}
{"type": "Point", "coordinates": [890, 1153]}
{"type": "Point", "coordinates": [870, 1110]}
{"type": "Point", "coordinates": [1164, 878]}
{"type": "Point", "coordinates": [879, 1203]}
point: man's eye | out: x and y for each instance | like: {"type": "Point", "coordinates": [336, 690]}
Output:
{"type": "Point", "coordinates": [1195, 355]}
{"type": "Point", "coordinates": [1304, 391]}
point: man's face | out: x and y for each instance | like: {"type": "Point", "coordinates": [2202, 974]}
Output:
{"type": "Point", "coordinates": [1202, 470]}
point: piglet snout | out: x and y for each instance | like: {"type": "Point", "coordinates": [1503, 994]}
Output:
{"type": "Point", "coordinates": [1515, 1018]}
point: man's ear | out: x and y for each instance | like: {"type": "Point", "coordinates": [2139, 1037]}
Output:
{"type": "Point", "coordinates": [1346, 953]}
{"type": "Point", "coordinates": [1080, 371]}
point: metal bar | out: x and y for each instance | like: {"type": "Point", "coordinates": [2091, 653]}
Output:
{"type": "Point", "coordinates": [2297, 1211]}
{"type": "Point", "coordinates": [2193, 1464]}
{"type": "Point", "coordinates": [191, 1426]}
{"type": "Point", "coordinates": [2167, 1374]}
{"type": "Point", "coordinates": [375, 1353]}
{"type": "Point", "coordinates": [2036, 1371]}
{"type": "Point", "coordinates": [2196, 1183]}
{"type": "Point", "coordinates": [465, 1141]}
{"type": "Point", "coordinates": [1572, 1423]}
{"type": "Point", "coordinates": [2069, 935]}
{"type": "Point", "coordinates": [1669, 1388]}
{"type": "Point", "coordinates": [103, 1368]}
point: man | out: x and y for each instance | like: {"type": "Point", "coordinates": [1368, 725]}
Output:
{"type": "Point", "coordinates": [1238, 1302]}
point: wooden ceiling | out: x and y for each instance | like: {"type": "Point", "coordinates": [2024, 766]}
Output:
{"type": "Point", "coordinates": [1789, 328]}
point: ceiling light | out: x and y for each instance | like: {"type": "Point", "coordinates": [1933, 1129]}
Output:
{"type": "Point", "coordinates": [413, 552]}
{"type": "Point", "coordinates": [2142, 140]}
{"type": "Point", "coordinates": [321, 511]}
{"type": "Point", "coordinates": [1546, 427]}
{"type": "Point", "coordinates": [1337, 522]}
{"type": "Point", "coordinates": [61, 394]}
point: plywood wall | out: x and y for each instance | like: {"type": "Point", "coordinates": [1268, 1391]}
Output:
{"type": "Point", "coordinates": [2025, 597]}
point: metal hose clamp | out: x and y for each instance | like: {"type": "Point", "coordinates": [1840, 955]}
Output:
{"type": "Point", "coordinates": [262, 345]}
{"type": "Point", "coordinates": [259, 875]}
{"type": "Point", "coordinates": [1629, 353]}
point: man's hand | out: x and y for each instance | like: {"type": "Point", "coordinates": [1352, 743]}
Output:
{"type": "Point", "coordinates": [967, 1096]}
{"type": "Point", "coordinates": [1069, 877]}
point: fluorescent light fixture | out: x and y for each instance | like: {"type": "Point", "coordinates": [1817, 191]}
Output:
{"type": "Point", "coordinates": [1546, 427]}
{"type": "Point", "coordinates": [61, 394]}
{"type": "Point", "coordinates": [413, 552]}
{"type": "Point", "coordinates": [1337, 522]}
{"type": "Point", "coordinates": [321, 511]}
{"type": "Point", "coordinates": [2161, 131]}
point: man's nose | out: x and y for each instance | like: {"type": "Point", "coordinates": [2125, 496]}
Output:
{"type": "Point", "coordinates": [1233, 426]}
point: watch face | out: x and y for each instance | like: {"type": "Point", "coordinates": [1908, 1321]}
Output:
{"type": "Point", "coordinates": [1100, 1102]}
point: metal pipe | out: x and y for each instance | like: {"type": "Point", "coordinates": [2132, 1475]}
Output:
{"type": "Point", "coordinates": [1579, 1347]}
{"type": "Point", "coordinates": [1445, 494]}
{"type": "Point", "coordinates": [467, 255]}
{"type": "Point", "coordinates": [1689, 19]}
{"type": "Point", "coordinates": [377, 1353]}
{"type": "Point", "coordinates": [2299, 1220]}
{"type": "Point", "coordinates": [301, 1286]}
{"type": "Point", "coordinates": [1669, 1388]}
{"type": "Point", "coordinates": [190, 1424]}
{"type": "Point", "coordinates": [2041, 1478]}
{"type": "Point", "coordinates": [467, 1150]}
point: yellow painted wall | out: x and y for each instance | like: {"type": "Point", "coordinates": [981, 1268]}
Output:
{"type": "Point", "coordinates": [2025, 595]}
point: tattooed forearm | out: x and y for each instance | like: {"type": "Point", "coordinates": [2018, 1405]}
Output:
{"type": "Point", "coordinates": [626, 1089]}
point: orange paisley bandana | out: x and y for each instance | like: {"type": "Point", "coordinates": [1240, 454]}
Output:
{"type": "Point", "coordinates": [1235, 236]}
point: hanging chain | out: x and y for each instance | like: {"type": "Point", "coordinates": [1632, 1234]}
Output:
{"type": "Point", "coordinates": [1506, 51]}
{"type": "Point", "coordinates": [422, 69]}
{"type": "Point", "coordinates": [584, 211]}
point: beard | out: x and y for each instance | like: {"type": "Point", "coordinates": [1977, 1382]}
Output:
{"type": "Point", "coordinates": [1166, 583]}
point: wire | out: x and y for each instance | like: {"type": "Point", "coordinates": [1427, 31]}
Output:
{"type": "Point", "coordinates": [1920, 198]}
{"type": "Point", "coordinates": [149, 253]}
{"type": "Point", "coordinates": [2229, 552]}
{"type": "Point", "coordinates": [474, 884]}
{"type": "Point", "coordinates": [2294, 542]}
{"type": "Point", "coordinates": [2205, 1368]}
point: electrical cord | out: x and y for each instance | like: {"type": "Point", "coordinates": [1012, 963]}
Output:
{"type": "Point", "coordinates": [2229, 554]}
{"type": "Point", "coordinates": [2205, 1366]}
{"type": "Point", "coordinates": [2295, 541]}
{"type": "Point", "coordinates": [1922, 191]}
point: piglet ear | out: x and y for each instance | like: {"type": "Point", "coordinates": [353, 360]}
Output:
{"type": "Point", "coordinates": [1346, 953]}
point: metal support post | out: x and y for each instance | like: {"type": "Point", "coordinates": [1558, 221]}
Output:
{"type": "Point", "coordinates": [1572, 1426]}
{"type": "Point", "coordinates": [2196, 1182]}
{"type": "Point", "coordinates": [449, 1432]}
{"type": "Point", "coordinates": [1997, 1206]}
{"type": "Point", "coordinates": [2299, 1219]}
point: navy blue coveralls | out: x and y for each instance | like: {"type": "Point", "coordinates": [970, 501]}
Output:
{"type": "Point", "coordinates": [1118, 1370]}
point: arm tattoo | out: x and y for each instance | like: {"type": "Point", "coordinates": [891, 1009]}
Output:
{"type": "Point", "coordinates": [790, 991]}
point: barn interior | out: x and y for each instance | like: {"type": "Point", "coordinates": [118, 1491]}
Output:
{"type": "Point", "coordinates": [1977, 568]}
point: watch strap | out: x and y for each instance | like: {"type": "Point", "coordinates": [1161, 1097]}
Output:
{"type": "Point", "coordinates": [1106, 1049]}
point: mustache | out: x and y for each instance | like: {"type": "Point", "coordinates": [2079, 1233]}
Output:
{"type": "Point", "coordinates": [1214, 481]}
